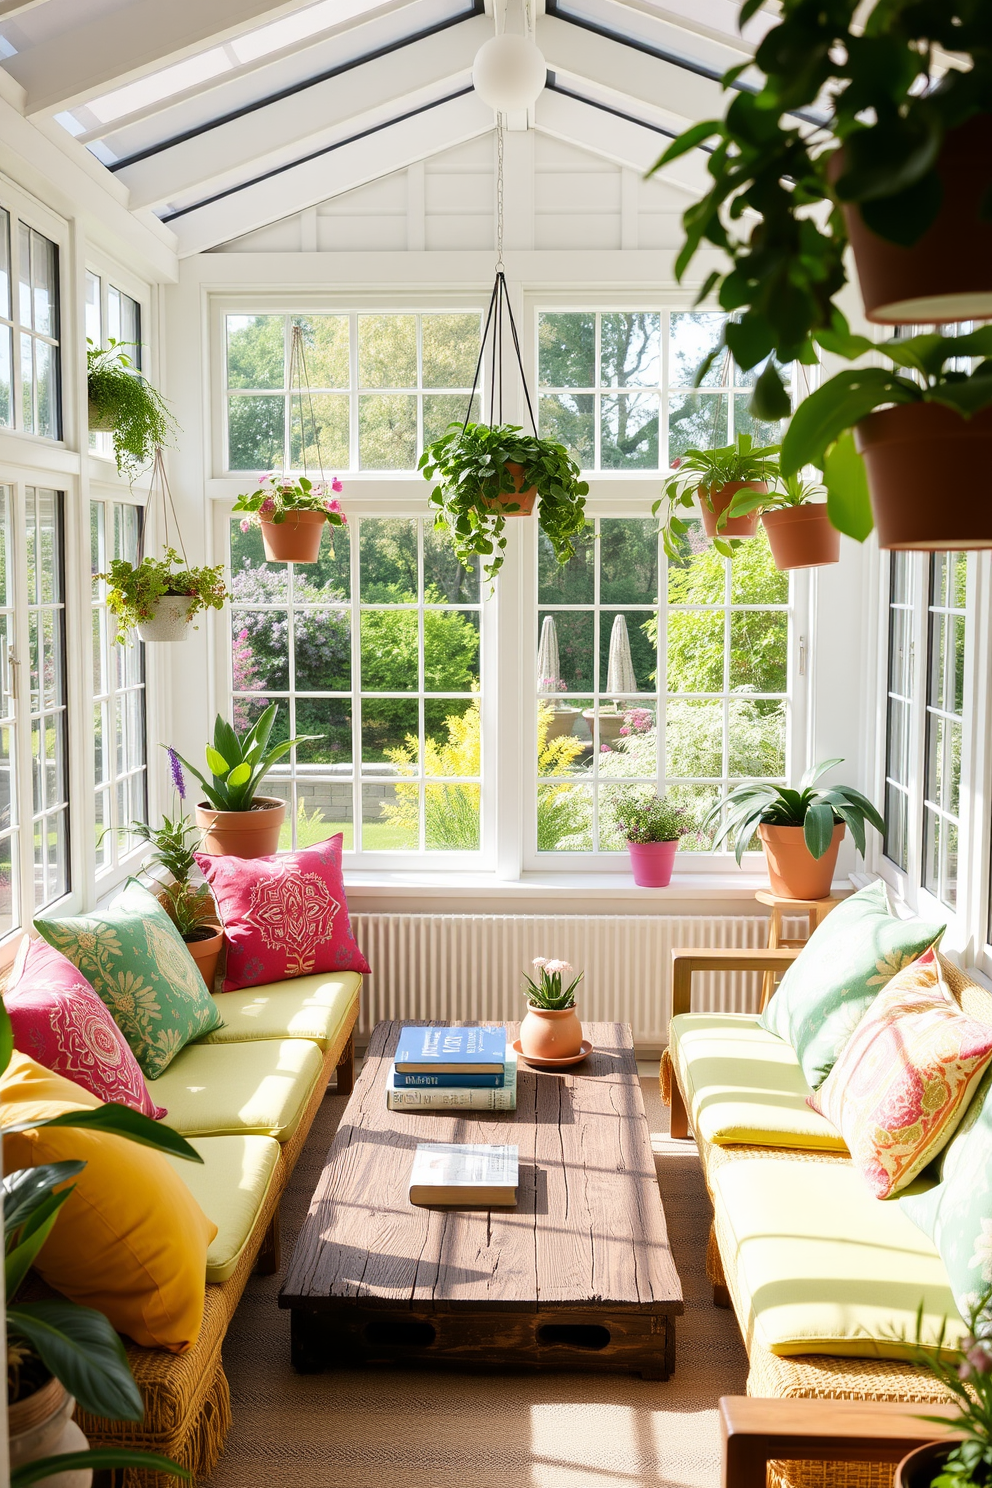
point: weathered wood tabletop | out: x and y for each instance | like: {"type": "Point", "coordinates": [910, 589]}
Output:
{"type": "Point", "coordinates": [578, 1275]}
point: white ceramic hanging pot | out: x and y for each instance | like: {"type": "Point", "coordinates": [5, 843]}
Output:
{"type": "Point", "coordinates": [171, 621]}
{"type": "Point", "coordinates": [42, 1426]}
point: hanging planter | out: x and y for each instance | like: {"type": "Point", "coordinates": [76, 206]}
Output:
{"type": "Point", "coordinates": [715, 477]}
{"type": "Point", "coordinates": [123, 403]}
{"type": "Point", "coordinates": [798, 528]}
{"type": "Point", "coordinates": [158, 597]}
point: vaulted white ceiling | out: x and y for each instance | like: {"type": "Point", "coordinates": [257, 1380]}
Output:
{"type": "Point", "coordinates": [222, 116]}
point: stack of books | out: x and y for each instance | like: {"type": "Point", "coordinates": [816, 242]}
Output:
{"type": "Point", "coordinates": [469, 1069]}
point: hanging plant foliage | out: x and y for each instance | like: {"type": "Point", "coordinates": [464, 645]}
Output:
{"type": "Point", "coordinates": [123, 402]}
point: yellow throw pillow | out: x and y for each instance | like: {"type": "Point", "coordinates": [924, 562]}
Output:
{"type": "Point", "coordinates": [131, 1241]}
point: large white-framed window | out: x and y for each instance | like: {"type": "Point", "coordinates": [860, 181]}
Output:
{"type": "Point", "coordinates": [30, 388]}
{"type": "Point", "coordinates": [110, 312]}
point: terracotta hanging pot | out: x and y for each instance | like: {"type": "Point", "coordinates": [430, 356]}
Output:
{"type": "Point", "coordinates": [523, 500]}
{"type": "Point", "coordinates": [946, 275]}
{"type": "Point", "coordinates": [652, 863]}
{"type": "Point", "coordinates": [242, 834]}
{"type": "Point", "coordinates": [171, 620]}
{"type": "Point", "coordinates": [206, 949]}
{"type": "Point", "coordinates": [928, 474]}
{"type": "Point", "coordinates": [42, 1426]}
{"type": "Point", "coordinates": [712, 504]}
{"type": "Point", "coordinates": [801, 536]}
{"type": "Point", "coordinates": [550, 1033]}
{"type": "Point", "coordinates": [294, 540]}
{"type": "Point", "coordinates": [793, 872]}
{"type": "Point", "coordinates": [919, 1467]}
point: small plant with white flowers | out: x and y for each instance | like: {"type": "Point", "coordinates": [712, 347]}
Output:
{"type": "Point", "coordinates": [550, 990]}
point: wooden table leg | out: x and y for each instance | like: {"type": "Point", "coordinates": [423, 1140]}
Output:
{"type": "Point", "coordinates": [345, 1069]}
{"type": "Point", "coordinates": [774, 937]}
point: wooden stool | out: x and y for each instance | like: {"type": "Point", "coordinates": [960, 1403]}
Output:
{"type": "Point", "coordinates": [816, 911]}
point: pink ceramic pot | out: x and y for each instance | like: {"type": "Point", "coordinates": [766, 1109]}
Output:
{"type": "Point", "coordinates": [550, 1033]}
{"type": "Point", "coordinates": [653, 862]}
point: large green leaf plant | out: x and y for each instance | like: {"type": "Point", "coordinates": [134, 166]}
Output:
{"type": "Point", "coordinates": [239, 765]}
{"type": "Point", "coordinates": [816, 809]}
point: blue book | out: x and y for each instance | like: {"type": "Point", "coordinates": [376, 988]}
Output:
{"type": "Point", "coordinates": [407, 1080]}
{"type": "Point", "coordinates": [463, 1051]}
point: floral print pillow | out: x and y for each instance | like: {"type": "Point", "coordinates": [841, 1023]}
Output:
{"type": "Point", "coordinates": [846, 962]}
{"type": "Point", "coordinates": [138, 965]}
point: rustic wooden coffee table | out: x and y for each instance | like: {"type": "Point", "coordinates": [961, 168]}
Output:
{"type": "Point", "coordinates": [579, 1276]}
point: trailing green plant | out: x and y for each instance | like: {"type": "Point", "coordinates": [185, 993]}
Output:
{"type": "Point", "coordinates": [816, 810]}
{"type": "Point", "coordinates": [53, 1336]}
{"type": "Point", "coordinates": [476, 490]}
{"type": "Point", "coordinates": [549, 991]}
{"type": "Point", "coordinates": [647, 817]}
{"type": "Point", "coordinates": [966, 1375]}
{"type": "Point", "coordinates": [821, 430]}
{"type": "Point", "coordinates": [139, 417]}
{"type": "Point", "coordinates": [704, 473]}
{"type": "Point", "coordinates": [239, 765]}
{"type": "Point", "coordinates": [868, 79]}
{"type": "Point", "coordinates": [787, 492]}
{"type": "Point", "coordinates": [134, 589]}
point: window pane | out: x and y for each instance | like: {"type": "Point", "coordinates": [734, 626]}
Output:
{"type": "Point", "coordinates": [6, 382]}
{"type": "Point", "coordinates": [45, 284]}
{"type": "Point", "coordinates": [693, 334]}
{"type": "Point", "coordinates": [387, 351]}
{"type": "Point", "coordinates": [696, 421]}
{"type": "Point", "coordinates": [629, 431]}
{"type": "Point", "coordinates": [629, 561]}
{"type": "Point", "coordinates": [256, 432]}
{"type": "Point", "coordinates": [567, 350]}
{"type": "Point", "coordinates": [326, 349]}
{"type": "Point", "coordinates": [5, 305]}
{"type": "Point", "coordinates": [944, 723]}
{"type": "Point", "coordinates": [255, 351]}
{"type": "Point", "coordinates": [46, 621]}
{"type": "Point", "coordinates": [573, 582]}
{"type": "Point", "coordinates": [570, 419]}
{"type": "Point", "coordinates": [387, 431]}
{"type": "Point", "coordinates": [631, 349]}
{"type": "Point", "coordinates": [321, 434]}
{"type": "Point", "coordinates": [450, 349]}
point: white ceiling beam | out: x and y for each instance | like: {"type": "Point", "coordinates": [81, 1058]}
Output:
{"type": "Point", "coordinates": [622, 141]}
{"type": "Point", "coordinates": [391, 149]}
{"type": "Point", "coordinates": [10, 8]}
{"type": "Point", "coordinates": [111, 49]}
{"type": "Point", "coordinates": [309, 119]}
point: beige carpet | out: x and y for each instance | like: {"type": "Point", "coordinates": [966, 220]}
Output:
{"type": "Point", "coordinates": [391, 1428]}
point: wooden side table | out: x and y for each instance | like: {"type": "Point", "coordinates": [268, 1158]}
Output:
{"type": "Point", "coordinates": [816, 911]}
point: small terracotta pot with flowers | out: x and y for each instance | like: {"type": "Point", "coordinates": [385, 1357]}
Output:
{"type": "Point", "coordinates": [292, 512]}
{"type": "Point", "coordinates": [551, 1028]}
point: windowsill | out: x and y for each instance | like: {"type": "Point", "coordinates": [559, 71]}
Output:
{"type": "Point", "coordinates": [612, 888]}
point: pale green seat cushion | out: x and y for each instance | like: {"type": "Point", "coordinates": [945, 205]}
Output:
{"type": "Point", "coordinates": [745, 1085]}
{"type": "Point", "coordinates": [820, 1266]}
{"type": "Point", "coordinates": [230, 1187]}
{"type": "Point", "coordinates": [310, 1007]}
{"type": "Point", "coordinates": [261, 1088]}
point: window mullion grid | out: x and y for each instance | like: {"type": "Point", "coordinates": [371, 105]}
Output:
{"type": "Point", "coordinates": [663, 436]}
{"type": "Point", "coordinates": [597, 406]}
{"type": "Point", "coordinates": [419, 322]}
{"type": "Point", "coordinates": [353, 432]}
{"type": "Point", "coordinates": [287, 440]}
{"type": "Point", "coordinates": [356, 682]}
{"type": "Point", "coordinates": [421, 686]}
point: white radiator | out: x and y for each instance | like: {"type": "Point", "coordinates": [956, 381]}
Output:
{"type": "Point", "coordinates": [471, 966]}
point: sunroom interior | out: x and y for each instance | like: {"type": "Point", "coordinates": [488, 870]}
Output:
{"type": "Point", "coordinates": [327, 250]}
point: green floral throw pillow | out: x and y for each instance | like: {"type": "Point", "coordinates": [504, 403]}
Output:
{"type": "Point", "coordinates": [839, 971]}
{"type": "Point", "coordinates": [137, 962]}
{"type": "Point", "coordinates": [957, 1211]}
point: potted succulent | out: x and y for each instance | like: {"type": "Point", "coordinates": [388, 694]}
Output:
{"type": "Point", "coordinates": [158, 597]}
{"type": "Point", "coordinates": [234, 819]}
{"type": "Point", "coordinates": [651, 827]}
{"type": "Point", "coordinates": [800, 830]}
{"type": "Point", "coordinates": [716, 476]}
{"type": "Point", "coordinates": [123, 402]}
{"type": "Point", "coordinates": [887, 441]}
{"type": "Point", "coordinates": [902, 162]}
{"type": "Point", "coordinates": [485, 475]}
{"type": "Point", "coordinates": [799, 530]}
{"type": "Point", "coordinates": [292, 512]}
{"type": "Point", "coordinates": [551, 1030]}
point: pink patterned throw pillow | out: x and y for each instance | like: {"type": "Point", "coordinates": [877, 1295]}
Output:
{"type": "Point", "coordinates": [904, 1078]}
{"type": "Point", "coordinates": [284, 916]}
{"type": "Point", "coordinates": [61, 1023]}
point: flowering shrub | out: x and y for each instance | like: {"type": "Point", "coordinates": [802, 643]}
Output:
{"type": "Point", "coordinates": [277, 495]}
{"type": "Point", "coordinates": [645, 817]}
{"type": "Point", "coordinates": [549, 992]}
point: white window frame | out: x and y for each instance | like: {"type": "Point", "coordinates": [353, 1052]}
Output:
{"type": "Point", "coordinates": [23, 208]}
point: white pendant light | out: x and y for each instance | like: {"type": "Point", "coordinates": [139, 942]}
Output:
{"type": "Point", "coordinates": [509, 72]}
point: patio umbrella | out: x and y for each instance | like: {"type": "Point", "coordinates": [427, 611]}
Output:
{"type": "Point", "coordinates": [620, 672]}
{"type": "Point", "coordinates": [548, 664]}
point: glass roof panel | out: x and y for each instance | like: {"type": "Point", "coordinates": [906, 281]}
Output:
{"type": "Point", "coordinates": [159, 85]}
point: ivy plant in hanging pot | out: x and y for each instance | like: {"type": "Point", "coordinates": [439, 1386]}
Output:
{"type": "Point", "coordinates": [291, 512]}
{"type": "Point", "coordinates": [717, 477]}
{"type": "Point", "coordinates": [123, 403]}
{"type": "Point", "coordinates": [158, 597]}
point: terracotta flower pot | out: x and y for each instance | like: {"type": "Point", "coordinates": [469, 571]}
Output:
{"type": "Point", "coordinates": [919, 1467]}
{"type": "Point", "coordinates": [242, 834]}
{"type": "Point", "coordinates": [206, 951]}
{"type": "Point", "coordinates": [170, 622]}
{"type": "Point", "coordinates": [296, 540]}
{"type": "Point", "coordinates": [720, 500]}
{"type": "Point", "coordinates": [947, 273]}
{"type": "Point", "coordinates": [550, 1033]}
{"type": "Point", "coordinates": [801, 536]}
{"type": "Point", "coordinates": [524, 500]}
{"type": "Point", "coordinates": [652, 863]}
{"type": "Point", "coordinates": [42, 1426]}
{"type": "Point", "coordinates": [928, 471]}
{"type": "Point", "coordinates": [793, 871]}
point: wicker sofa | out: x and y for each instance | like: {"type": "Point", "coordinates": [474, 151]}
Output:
{"type": "Point", "coordinates": [822, 1276]}
{"type": "Point", "coordinates": [246, 1096]}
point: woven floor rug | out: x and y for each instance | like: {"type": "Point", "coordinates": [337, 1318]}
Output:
{"type": "Point", "coordinates": [391, 1428]}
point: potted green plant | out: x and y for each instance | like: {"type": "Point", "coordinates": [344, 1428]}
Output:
{"type": "Point", "coordinates": [799, 530]}
{"type": "Point", "coordinates": [158, 597]}
{"type": "Point", "coordinates": [888, 441]}
{"type": "Point", "coordinates": [651, 828]}
{"type": "Point", "coordinates": [486, 474]}
{"type": "Point", "coordinates": [292, 512]}
{"type": "Point", "coordinates": [716, 476]}
{"type": "Point", "coordinates": [235, 820]}
{"type": "Point", "coordinates": [800, 830]}
{"type": "Point", "coordinates": [123, 402]}
{"type": "Point", "coordinates": [900, 154]}
{"type": "Point", "coordinates": [966, 1374]}
{"type": "Point", "coordinates": [551, 1032]}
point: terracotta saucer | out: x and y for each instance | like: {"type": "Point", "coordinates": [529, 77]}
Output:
{"type": "Point", "coordinates": [584, 1053]}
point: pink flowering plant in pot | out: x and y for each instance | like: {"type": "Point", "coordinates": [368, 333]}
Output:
{"type": "Point", "coordinates": [292, 512]}
{"type": "Point", "coordinates": [651, 828]}
{"type": "Point", "coordinates": [551, 1028]}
